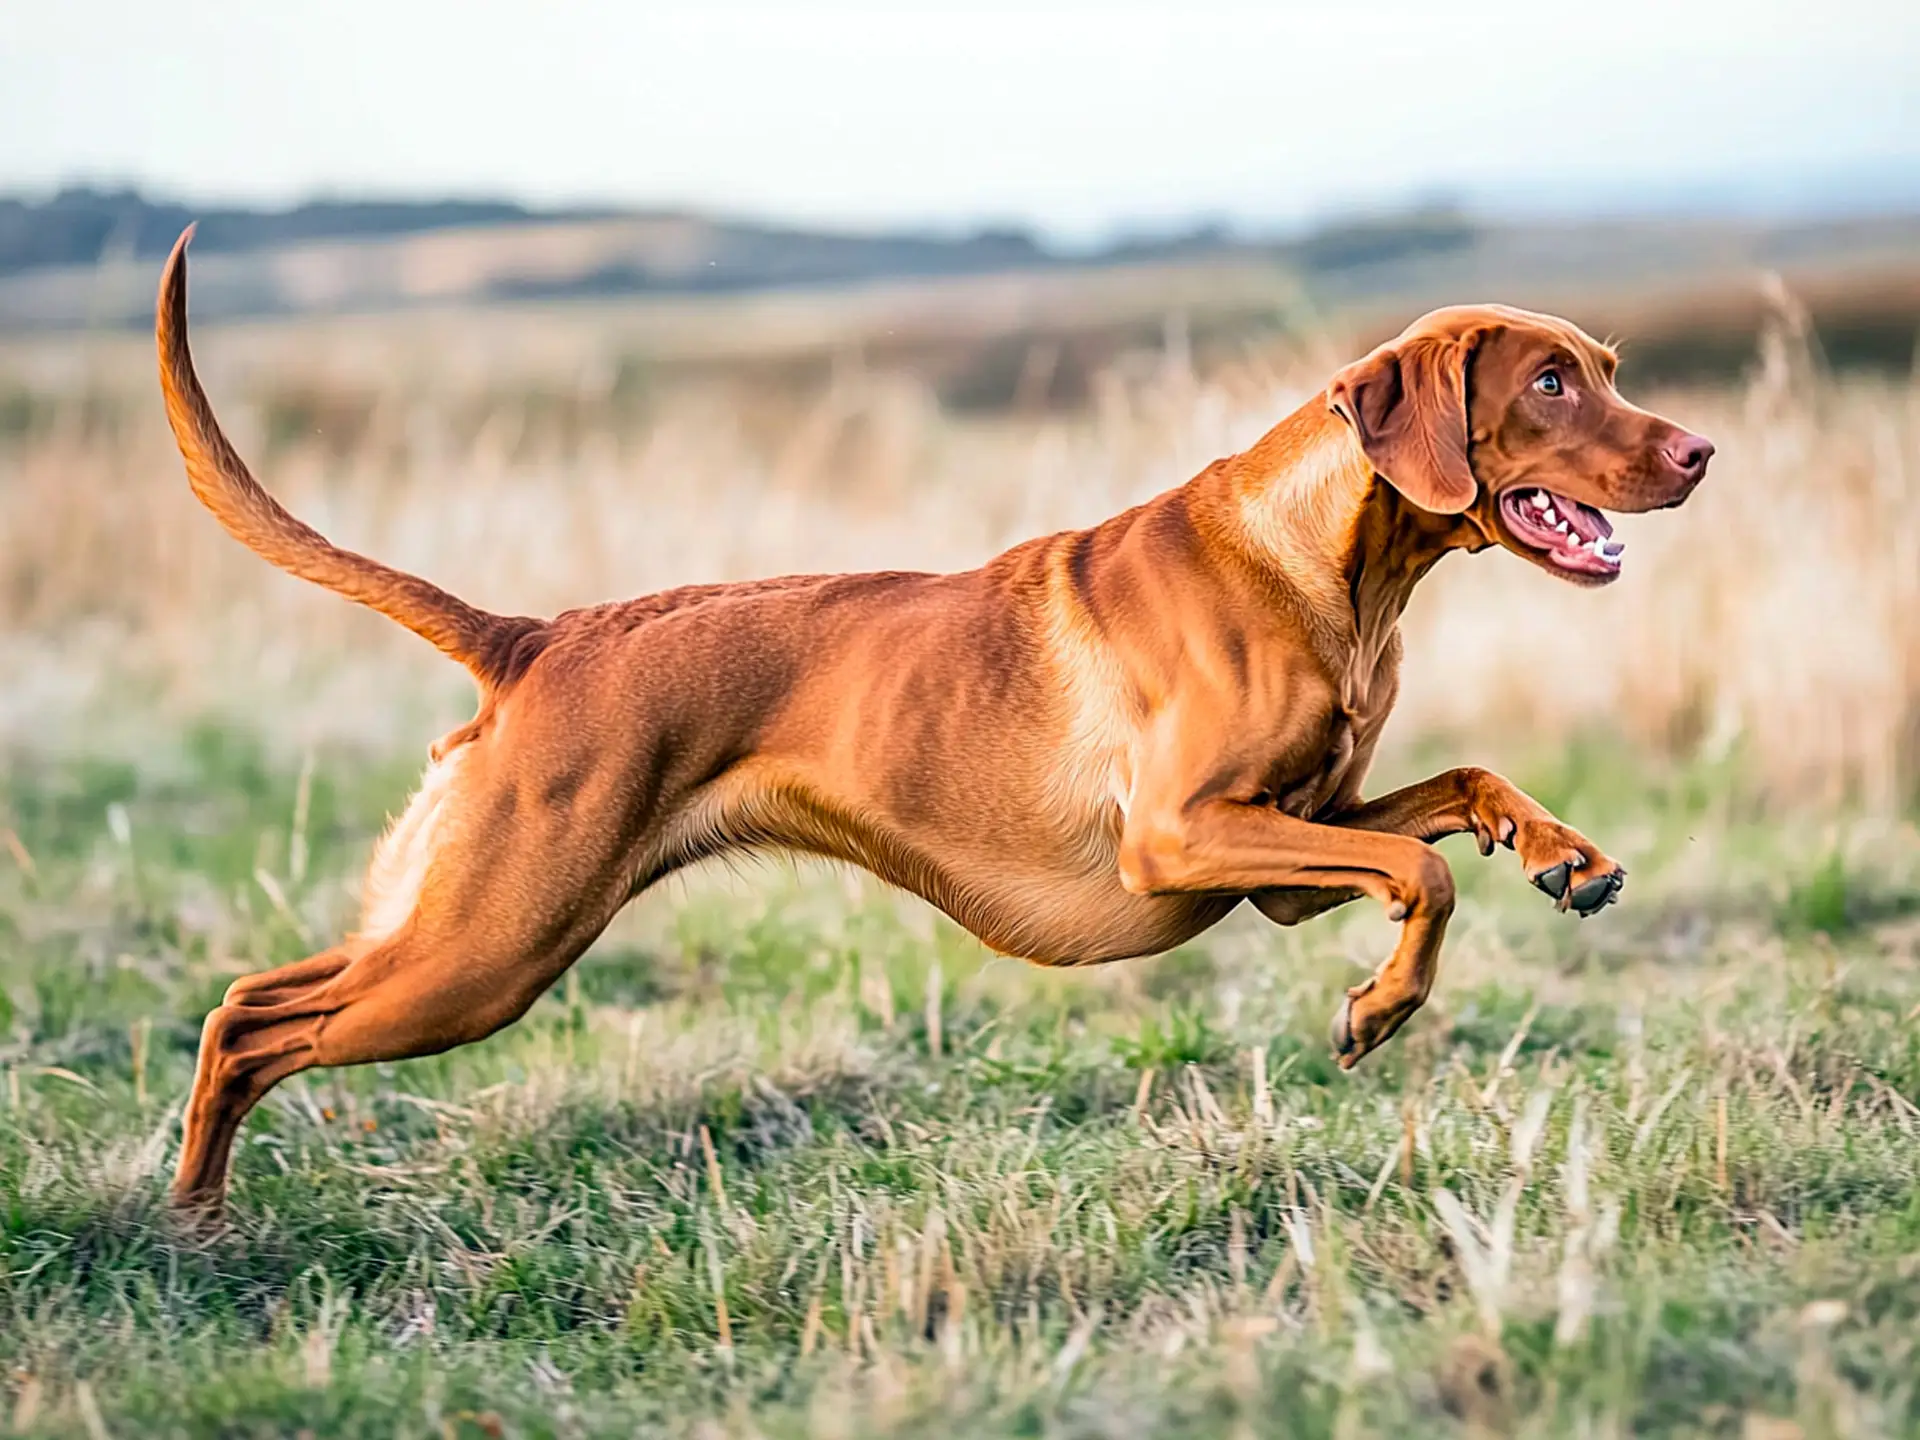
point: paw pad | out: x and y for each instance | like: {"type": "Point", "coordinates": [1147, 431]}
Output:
{"type": "Point", "coordinates": [1598, 893]}
{"type": "Point", "coordinates": [1554, 881]}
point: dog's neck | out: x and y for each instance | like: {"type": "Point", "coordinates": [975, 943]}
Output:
{"type": "Point", "coordinates": [1309, 509]}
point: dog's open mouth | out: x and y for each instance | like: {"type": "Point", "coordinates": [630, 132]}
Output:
{"type": "Point", "coordinates": [1572, 536]}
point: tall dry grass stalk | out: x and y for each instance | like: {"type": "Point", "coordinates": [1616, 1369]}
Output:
{"type": "Point", "coordinates": [538, 470]}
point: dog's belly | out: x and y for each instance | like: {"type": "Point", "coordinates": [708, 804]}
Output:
{"type": "Point", "coordinates": [1074, 919]}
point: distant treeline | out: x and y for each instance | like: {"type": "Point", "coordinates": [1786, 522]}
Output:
{"type": "Point", "coordinates": [81, 225]}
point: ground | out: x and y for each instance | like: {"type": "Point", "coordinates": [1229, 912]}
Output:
{"type": "Point", "coordinates": [785, 1155]}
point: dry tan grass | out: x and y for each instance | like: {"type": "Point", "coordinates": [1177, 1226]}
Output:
{"type": "Point", "coordinates": [531, 463]}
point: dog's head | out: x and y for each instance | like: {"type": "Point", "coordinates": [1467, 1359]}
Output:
{"type": "Point", "coordinates": [1510, 419]}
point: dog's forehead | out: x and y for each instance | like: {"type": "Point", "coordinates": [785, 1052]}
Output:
{"type": "Point", "coordinates": [1454, 321]}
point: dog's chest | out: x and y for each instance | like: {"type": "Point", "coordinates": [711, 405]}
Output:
{"type": "Point", "coordinates": [1305, 783]}
{"type": "Point", "coordinates": [1342, 733]}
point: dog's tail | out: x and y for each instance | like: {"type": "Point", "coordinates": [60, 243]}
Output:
{"type": "Point", "coordinates": [486, 644]}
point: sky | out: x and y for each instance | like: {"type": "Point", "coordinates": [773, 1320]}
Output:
{"type": "Point", "coordinates": [1075, 118]}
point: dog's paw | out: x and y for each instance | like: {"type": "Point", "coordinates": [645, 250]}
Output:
{"type": "Point", "coordinates": [1593, 893]}
{"type": "Point", "coordinates": [1367, 1018]}
{"type": "Point", "coordinates": [1571, 870]}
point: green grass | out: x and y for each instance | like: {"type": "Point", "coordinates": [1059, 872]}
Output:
{"type": "Point", "coordinates": [1656, 1173]}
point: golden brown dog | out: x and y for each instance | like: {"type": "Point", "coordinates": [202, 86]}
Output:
{"type": "Point", "coordinates": [1091, 747]}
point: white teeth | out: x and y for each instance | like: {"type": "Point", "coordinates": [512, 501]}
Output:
{"type": "Point", "coordinates": [1608, 551]}
{"type": "Point", "coordinates": [1600, 547]}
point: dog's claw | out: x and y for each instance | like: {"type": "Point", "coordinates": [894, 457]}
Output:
{"type": "Point", "coordinates": [1344, 1048]}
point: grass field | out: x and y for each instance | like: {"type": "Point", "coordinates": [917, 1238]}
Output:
{"type": "Point", "coordinates": [785, 1156]}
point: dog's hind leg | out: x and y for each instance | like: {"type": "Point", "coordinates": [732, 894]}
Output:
{"type": "Point", "coordinates": [414, 993]}
{"type": "Point", "coordinates": [244, 1052]}
{"type": "Point", "coordinates": [499, 913]}
{"type": "Point", "coordinates": [222, 1074]}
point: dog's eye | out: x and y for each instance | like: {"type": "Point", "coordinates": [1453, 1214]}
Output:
{"type": "Point", "coordinates": [1549, 384]}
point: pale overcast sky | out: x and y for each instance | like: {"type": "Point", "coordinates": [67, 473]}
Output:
{"type": "Point", "coordinates": [1070, 116]}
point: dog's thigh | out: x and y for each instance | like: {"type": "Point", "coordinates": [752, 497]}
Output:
{"type": "Point", "coordinates": [1289, 905]}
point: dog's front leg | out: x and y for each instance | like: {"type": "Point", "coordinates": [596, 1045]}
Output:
{"type": "Point", "coordinates": [1558, 858]}
{"type": "Point", "coordinates": [1234, 846]}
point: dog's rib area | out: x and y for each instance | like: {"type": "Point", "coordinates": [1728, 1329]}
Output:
{"type": "Point", "coordinates": [1090, 778]}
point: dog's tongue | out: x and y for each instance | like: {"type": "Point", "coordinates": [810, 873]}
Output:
{"type": "Point", "coordinates": [1586, 522]}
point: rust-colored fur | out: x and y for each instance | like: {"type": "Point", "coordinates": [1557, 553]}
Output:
{"type": "Point", "coordinates": [1093, 746]}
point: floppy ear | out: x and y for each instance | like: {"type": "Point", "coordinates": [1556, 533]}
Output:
{"type": "Point", "coordinates": [1407, 404]}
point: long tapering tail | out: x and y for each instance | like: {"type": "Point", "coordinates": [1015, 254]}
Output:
{"type": "Point", "coordinates": [486, 644]}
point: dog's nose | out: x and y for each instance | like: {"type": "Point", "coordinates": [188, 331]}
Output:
{"type": "Point", "coordinates": [1689, 454]}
